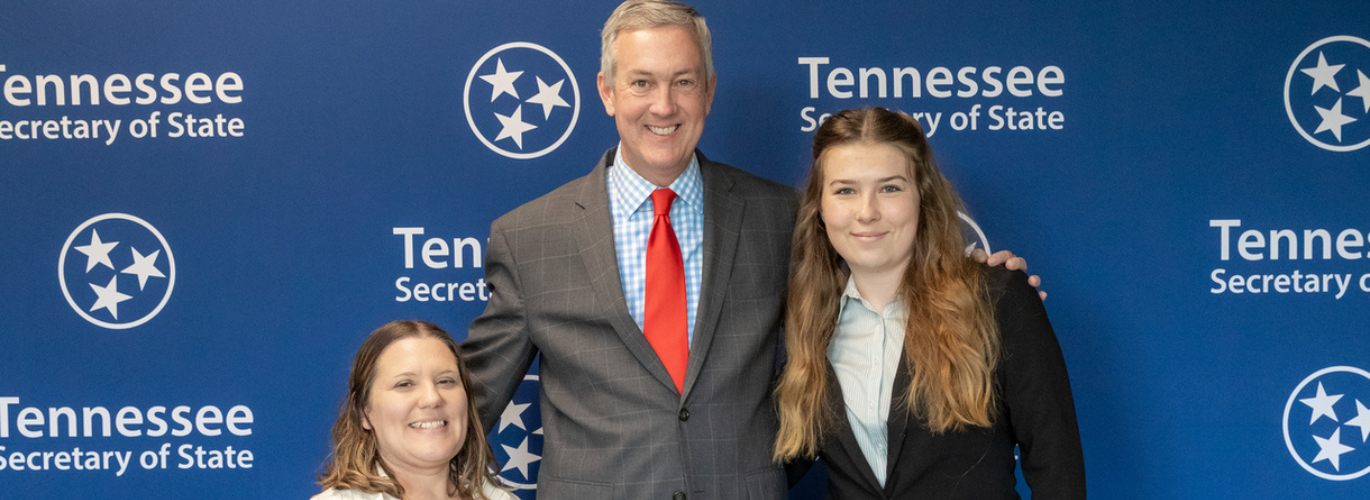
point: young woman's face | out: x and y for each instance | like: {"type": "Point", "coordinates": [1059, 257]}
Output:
{"type": "Point", "coordinates": [870, 206]}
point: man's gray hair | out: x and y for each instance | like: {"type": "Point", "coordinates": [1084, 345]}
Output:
{"type": "Point", "coordinates": [646, 14]}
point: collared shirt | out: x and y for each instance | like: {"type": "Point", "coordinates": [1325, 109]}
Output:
{"type": "Point", "coordinates": [630, 202]}
{"type": "Point", "coordinates": [865, 352]}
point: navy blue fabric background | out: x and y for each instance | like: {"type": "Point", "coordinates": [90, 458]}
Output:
{"type": "Point", "coordinates": [289, 240]}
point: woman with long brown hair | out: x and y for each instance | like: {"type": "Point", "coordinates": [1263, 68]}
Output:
{"type": "Point", "coordinates": [912, 370]}
{"type": "Point", "coordinates": [406, 430]}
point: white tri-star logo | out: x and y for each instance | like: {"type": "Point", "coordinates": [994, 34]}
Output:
{"type": "Point", "coordinates": [513, 126]}
{"type": "Point", "coordinates": [1336, 387]}
{"type": "Point", "coordinates": [102, 300]}
{"type": "Point", "coordinates": [1335, 105]}
{"type": "Point", "coordinates": [514, 64]}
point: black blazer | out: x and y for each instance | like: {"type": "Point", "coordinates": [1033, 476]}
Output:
{"type": "Point", "coordinates": [1035, 411]}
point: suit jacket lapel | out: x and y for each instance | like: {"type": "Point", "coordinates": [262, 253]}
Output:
{"type": "Point", "coordinates": [595, 238]}
{"type": "Point", "coordinates": [898, 420]}
{"type": "Point", "coordinates": [838, 405]}
{"type": "Point", "coordinates": [722, 224]}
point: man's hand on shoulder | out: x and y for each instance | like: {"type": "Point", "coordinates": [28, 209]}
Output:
{"type": "Point", "coordinates": [1011, 262]}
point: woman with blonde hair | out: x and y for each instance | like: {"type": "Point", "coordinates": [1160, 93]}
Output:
{"type": "Point", "coordinates": [912, 370]}
{"type": "Point", "coordinates": [407, 430]}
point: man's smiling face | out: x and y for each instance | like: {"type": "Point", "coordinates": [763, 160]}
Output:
{"type": "Point", "coordinates": [659, 98]}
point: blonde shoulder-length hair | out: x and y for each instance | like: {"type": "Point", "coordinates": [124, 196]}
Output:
{"type": "Point", "coordinates": [356, 464]}
{"type": "Point", "coordinates": [951, 342]}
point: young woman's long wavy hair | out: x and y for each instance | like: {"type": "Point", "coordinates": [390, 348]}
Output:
{"type": "Point", "coordinates": [355, 463]}
{"type": "Point", "coordinates": [951, 342]}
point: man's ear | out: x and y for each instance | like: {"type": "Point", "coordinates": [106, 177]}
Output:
{"type": "Point", "coordinates": [606, 93]}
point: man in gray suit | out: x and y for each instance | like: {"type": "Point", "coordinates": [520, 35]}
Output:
{"type": "Point", "coordinates": [621, 419]}
{"type": "Point", "coordinates": [616, 424]}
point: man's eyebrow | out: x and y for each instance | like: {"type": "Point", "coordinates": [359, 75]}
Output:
{"type": "Point", "coordinates": [639, 72]}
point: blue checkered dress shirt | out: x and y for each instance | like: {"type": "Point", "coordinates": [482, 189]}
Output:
{"type": "Point", "coordinates": [630, 203]}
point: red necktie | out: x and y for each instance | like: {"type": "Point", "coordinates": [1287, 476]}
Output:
{"type": "Point", "coordinates": [664, 319]}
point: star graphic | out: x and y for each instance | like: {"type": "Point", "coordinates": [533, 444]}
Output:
{"type": "Point", "coordinates": [1331, 449]}
{"type": "Point", "coordinates": [514, 126]}
{"type": "Point", "coordinates": [1363, 91]}
{"type": "Point", "coordinates": [144, 266]}
{"type": "Point", "coordinates": [520, 458]}
{"type": "Point", "coordinates": [1322, 405]}
{"type": "Point", "coordinates": [109, 297]}
{"type": "Point", "coordinates": [97, 252]}
{"type": "Point", "coordinates": [549, 96]}
{"type": "Point", "coordinates": [1323, 75]}
{"type": "Point", "coordinates": [1332, 119]}
{"type": "Point", "coordinates": [1362, 420]}
{"type": "Point", "coordinates": [503, 81]}
{"type": "Point", "coordinates": [513, 414]}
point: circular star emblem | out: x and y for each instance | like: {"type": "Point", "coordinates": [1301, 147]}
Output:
{"type": "Point", "coordinates": [1327, 93]}
{"type": "Point", "coordinates": [116, 271]}
{"type": "Point", "coordinates": [1327, 423]}
{"type": "Point", "coordinates": [517, 439]}
{"type": "Point", "coordinates": [533, 100]}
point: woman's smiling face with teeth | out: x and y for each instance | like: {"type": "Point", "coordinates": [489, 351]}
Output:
{"type": "Point", "coordinates": [418, 406]}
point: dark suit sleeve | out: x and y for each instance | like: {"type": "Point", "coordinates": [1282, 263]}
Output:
{"type": "Point", "coordinates": [498, 349]}
{"type": "Point", "coordinates": [1039, 405]}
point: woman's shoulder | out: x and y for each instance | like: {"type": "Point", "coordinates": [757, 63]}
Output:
{"type": "Point", "coordinates": [1003, 282]}
{"type": "Point", "coordinates": [336, 494]}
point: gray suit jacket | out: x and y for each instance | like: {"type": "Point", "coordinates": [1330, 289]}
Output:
{"type": "Point", "coordinates": [614, 425]}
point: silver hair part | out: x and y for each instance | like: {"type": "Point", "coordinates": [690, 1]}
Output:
{"type": "Point", "coordinates": [645, 14]}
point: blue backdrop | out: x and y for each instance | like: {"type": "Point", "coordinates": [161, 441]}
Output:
{"type": "Point", "coordinates": [208, 205]}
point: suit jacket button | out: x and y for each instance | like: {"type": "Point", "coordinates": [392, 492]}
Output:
{"type": "Point", "coordinates": [684, 415]}
{"type": "Point", "coordinates": [679, 495]}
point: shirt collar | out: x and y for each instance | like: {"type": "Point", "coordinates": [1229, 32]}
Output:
{"type": "Point", "coordinates": [630, 191]}
{"type": "Point", "coordinates": [851, 291]}
{"type": "Point", "coordinates": [894, 309]}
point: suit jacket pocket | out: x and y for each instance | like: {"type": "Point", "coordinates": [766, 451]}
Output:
{"type": "Point", "coordinates": [766, 484]}
{"type": "Point", "coordinates": [550, 488]}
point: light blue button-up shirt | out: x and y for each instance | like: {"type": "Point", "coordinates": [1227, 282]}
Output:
{"type": "Point", "coordinates": [865, 352]}
{"type": "Point", "coordinates": [630, 203]}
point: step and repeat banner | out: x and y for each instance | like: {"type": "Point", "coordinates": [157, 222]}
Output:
{"type": "Point", "coordinates": [208, 205]}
